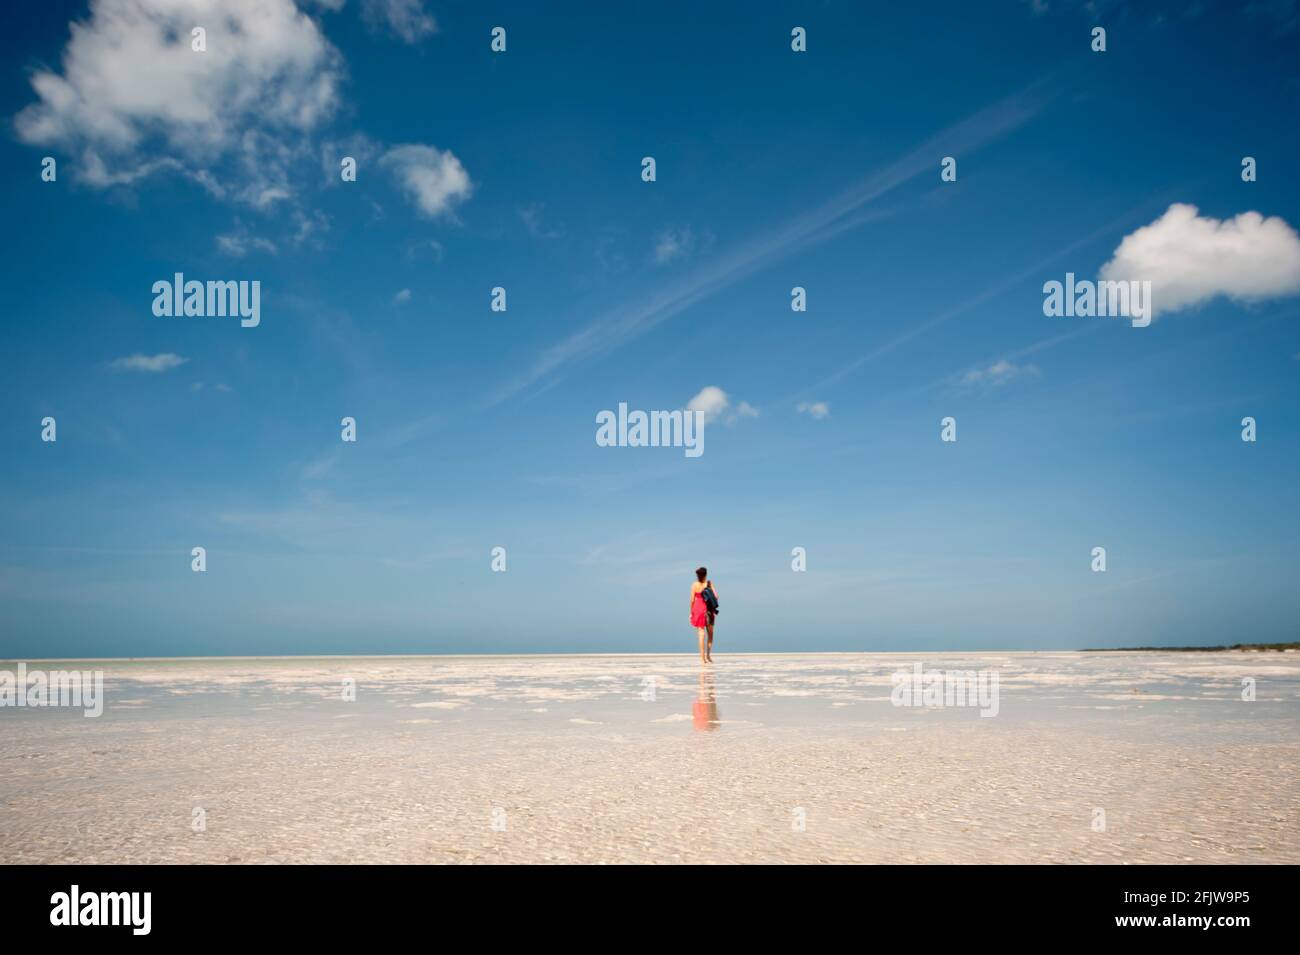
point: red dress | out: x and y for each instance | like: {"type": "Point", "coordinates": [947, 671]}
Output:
{"type": "Point", "coordinates": [699, 611]}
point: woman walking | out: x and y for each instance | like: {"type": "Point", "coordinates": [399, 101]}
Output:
{"type": "Point", "coordinates": [704, 612]}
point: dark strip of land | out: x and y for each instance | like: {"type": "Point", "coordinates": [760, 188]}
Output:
{"type": "Point", "coordinates": [1235, 646]}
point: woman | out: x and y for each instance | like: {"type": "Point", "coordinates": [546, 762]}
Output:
{"type": "Point", "coordinates": [701, 618]}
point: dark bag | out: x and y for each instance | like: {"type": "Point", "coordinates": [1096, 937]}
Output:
{"type": "Point", "coordinates": [710, 601]}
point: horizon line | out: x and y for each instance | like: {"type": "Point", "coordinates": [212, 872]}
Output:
{"type": "Point", "coordinates": [1242, 648]}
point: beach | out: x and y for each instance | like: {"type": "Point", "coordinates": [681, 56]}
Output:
{"type": "Point", "coordinates": [1107, 757]}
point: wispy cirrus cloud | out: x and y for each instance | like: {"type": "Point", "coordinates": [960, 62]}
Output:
{"type": "Point", "coordinates": [399, 435]}
{"type": "Point", "coordinates": [988, 294]}
{"type": "Point", "coordinates": [674, 244]}
{"type": "Point", "coordinates": [996, 374]}
{"type": "Point", "coordinates": [238, 242]}
{"type": "Point", "coordinates": [151, 364]}
{"type": "Point", "coordinates": [844, 211]}
{"type": "Point", "coordinates": [389, 439]}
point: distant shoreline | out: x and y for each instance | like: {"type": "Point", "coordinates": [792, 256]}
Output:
{"type": "Point", "coordinates": [303, 657]}
{"type": "Point", "coordinates": [1251, 647]}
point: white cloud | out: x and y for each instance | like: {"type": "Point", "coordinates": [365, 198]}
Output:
{"type": "Point", "coordinates": [310, 226]}
{"type": "Point", "coordinates": [402, 297]}
{"type": "Point", "coordinates": [673, 244]}
{"type": "Point", "coordinates": [132, 98]}
{"type": "Point", "coordinates": [998, 373]}
{"type": "Point", "coordinates": [239, 242]}
{"type": "Point", "coordinates": [711, 401]}
{"type": "Point", "coordinates": [163, 361]}
{"type": "Point", "coordinates": [434, 178]}
{"type": "Point", "coordinates": [406, 19]}
{"type": "Point", "coordinates": [814, 409]}
{"type": "Point", "coordinates": [1190, 259]}
{"type": "Point", "coordinates": [715, 405]}
{"type": "Point", "coordinates": [93, 171]}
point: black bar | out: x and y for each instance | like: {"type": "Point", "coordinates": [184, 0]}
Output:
{"type": "Point", "coordinates": [302, 904]}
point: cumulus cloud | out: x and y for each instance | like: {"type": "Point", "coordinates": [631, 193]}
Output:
{"type": "Point", "coordinates": [998, 373]}
{"type": "Point", "coordinates": [132, 98]}
{"type": "Point", "coordinates": [1190, 259]}
{"type": "Point", "coordinates": [714, 404]}
{"type": "Point", "coordinates": [405, 19]}
{"type": "Point", "coordinates": [163, 361]}
{"type": "Point", "coordinates": [814, 409]}
{"type": "Point", "coordinates": [402, 297]}
{"type": "Point", "coordinates": [711, 402]}
{"type": "Point", "coordinates": [433, 178]}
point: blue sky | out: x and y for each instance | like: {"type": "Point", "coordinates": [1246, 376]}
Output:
{"type": "Point", "coordinates": [476, 429]}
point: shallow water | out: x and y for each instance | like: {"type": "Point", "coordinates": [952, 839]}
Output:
{"type": "Point", "coordinates": [787, 758]}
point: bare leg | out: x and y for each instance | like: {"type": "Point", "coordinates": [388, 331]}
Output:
{"type": "Point", "coordinates": [709, 652]}
{"type": "Point", "coordinates": [704, 656]}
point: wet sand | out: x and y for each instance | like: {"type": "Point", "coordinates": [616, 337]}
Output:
{"type": "Point", "coordinates": [604, 759]}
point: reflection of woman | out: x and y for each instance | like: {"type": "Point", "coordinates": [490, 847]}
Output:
{"type": "Point", "coordinates": [701, 619]}
{"type": "Point", "coordinates": [704, 711]}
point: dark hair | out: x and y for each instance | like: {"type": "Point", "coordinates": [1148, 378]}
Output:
{"type": "Point", "coordinates": [701, 573]}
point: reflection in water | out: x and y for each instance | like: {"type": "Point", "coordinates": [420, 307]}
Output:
{"type": "Point", "coordinates": [704, 711]}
